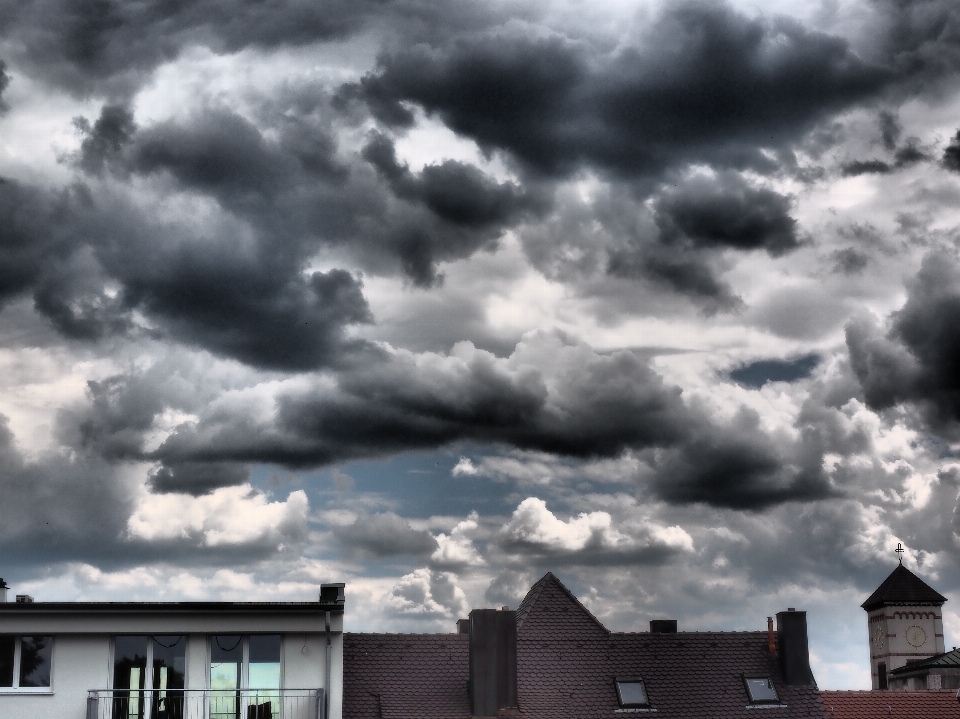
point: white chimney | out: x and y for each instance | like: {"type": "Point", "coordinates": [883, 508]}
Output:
{"type": "Point", "coordinates": [3, 591]}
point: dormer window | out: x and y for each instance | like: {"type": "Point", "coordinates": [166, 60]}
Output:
{"type": "Point", "coordinates": [761, 690]}
{"type": "Point", "coordinates": [632, 693]}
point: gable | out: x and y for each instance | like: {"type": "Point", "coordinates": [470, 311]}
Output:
{"type": "Point", "coordinates": [550, 607]}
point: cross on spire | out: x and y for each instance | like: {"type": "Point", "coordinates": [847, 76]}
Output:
{"type": "Point", "coordinates": [900, 550]}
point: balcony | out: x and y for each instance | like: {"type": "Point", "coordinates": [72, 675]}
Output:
{"type": "Point", "coordinates": [205, 704]}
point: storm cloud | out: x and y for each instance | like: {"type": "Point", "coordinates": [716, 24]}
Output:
{"type": "Point", "coordinates": [434, 298]}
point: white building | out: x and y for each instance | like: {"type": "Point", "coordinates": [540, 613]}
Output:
{"type": "Point", "coordinates": [172, 660]}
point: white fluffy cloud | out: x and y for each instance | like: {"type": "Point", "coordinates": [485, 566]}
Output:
{"type": "Point", "coordinates": [227, 516]}
{"type": "Point", "coordinates": [532, 526]}
{"type": "Point", "coordinates": [427, 594]}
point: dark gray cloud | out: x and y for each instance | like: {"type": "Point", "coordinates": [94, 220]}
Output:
{"type": "Point", "coordinates": [696, 220]}
{"type": "Point", "coordinates": [385, 535]}
{"type": "Point", "coordinates": [197, 478]}
{"type": "Point", "coordinates": [865, 167]}
{"type": "Point", "coordinates": [951, 155]}
{"type": "Point", "coordinates": [726, 213]}
{"type": "Point", "coordinates": [917, 359]}
{"type": "Point", "coordinates": [758, 373]}
{"type": "Point", "coordinates": [705, 84]}
{"type": "Point", "coordinates": [4, 82]}
{"type": "Point", "coordinates": [737, 465]}
{"type": "Point", "coordinates": [55, 507]}
{"type": "Point", "coordinates": [598, 407]}
{"type": "Point", "coordinates": [110, 46]}
{"type": "Point", "coordinates": [105, 138]}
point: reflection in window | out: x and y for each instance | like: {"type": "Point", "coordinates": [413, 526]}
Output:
{"type": "Point", "coordinates": [244, 675]}
{"type": "Point", "coordinates": [632, 692]}
{"type": "Point", "coordinates": [226, 663]}
{"type": "Point", "coordinates": [25, 662]}
{"type": "Point", "coordinates": [7, 649]}
{"type": "Point", "coordinates": [129, 677]}
{"type": "Point", "coordinates": [35, 656]}
{"type": "Point", "coordinates": [169, 671]}
{"type": "Point", "coordinates": [761, 690]}
{"type": "Point", "coordinates": [264, 675]}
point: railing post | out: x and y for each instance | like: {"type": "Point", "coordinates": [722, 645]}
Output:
{"type": "Point", "coordinates": [93, 700]}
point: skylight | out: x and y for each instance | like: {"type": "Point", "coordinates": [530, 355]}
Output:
{"type": "Point", "coordinates": [761, 690]}
{"type": "Point", "coordinates": [631, 692]}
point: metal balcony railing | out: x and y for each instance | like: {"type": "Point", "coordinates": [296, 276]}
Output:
{"type": "Point", "coordinates": [205, 704]}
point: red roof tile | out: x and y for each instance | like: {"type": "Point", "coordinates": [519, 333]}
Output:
{"type": "Point", "coordinates": [891, 705]}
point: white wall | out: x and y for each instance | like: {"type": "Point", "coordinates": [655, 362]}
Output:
{"type": "Point", "coordinates": [80, 662]}
{"type": "Point", "coordinates": [306, 670]}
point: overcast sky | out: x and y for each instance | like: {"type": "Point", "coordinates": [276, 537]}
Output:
{"type": "Point", "coordinates": [432, 297]}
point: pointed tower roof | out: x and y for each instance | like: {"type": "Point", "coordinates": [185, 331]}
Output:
{"type": "Point", "coordinates": [547, 597]}
{"type": "Point", "coordinates": [903, 587]}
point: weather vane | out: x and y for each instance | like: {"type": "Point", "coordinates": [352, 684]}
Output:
{"type": "Point", "coordinates": [900, 550]}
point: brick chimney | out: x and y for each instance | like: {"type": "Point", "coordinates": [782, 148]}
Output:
{"type": "Point", "coordinates": [493, 661]}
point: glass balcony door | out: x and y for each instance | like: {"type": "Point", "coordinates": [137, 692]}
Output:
{"type": "Point", "coordinates": [245, 676]}
{"type": "Point", "coordinates": [148, 677]}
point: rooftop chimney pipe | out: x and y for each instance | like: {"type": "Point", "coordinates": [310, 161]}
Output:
{"type": "Point", "coordinates": [771, 644]}
{"type": "Point", "coordinates": [3, 591]}
{"type": "Point", "coordinates": [493, 661]}
{"type": "Point", "coordinates": [794, 651]}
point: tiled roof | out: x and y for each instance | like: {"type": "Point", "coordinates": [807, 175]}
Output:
{"type": "Point", "coordinates": [566, 665]}
{"type": "Point", "coordinates": [891, 705]}
{"type": "Point", "coordinates": [395, 676]}
{"type": "Point", "coordinates": [949, 659]}
{"type": "Point", "coordinates": [903, 587]}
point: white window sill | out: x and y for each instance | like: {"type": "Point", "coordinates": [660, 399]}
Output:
{"type": "Point", "coordinates": [766, 706]}
{"type": "Point", "coordinates": [634, 710]}
{"type": "Point", "coordinates": [42, 691]}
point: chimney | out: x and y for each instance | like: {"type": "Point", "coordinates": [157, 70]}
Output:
{"type": "Point", "coordinates": [463, 626]}
{"type": "Point", "coordinates": [493, 661]}
{"type": "Point", "coordinates": [663, 626]}
{"type": "Point", "coordinates": [24, 599]}
{"type": "Point", "coordinates": [794, 651]}
{"type": "Point", "coordinates": [332, 593]}
{"type": "Point", "coordinates": [771, 644]}
{"type": "Point", "coordinates": [3, 591]}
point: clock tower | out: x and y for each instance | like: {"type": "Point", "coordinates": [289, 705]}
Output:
{"type": "Point", "coordinates": [904, 622]}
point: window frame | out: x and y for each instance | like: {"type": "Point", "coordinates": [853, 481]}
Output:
{"type": "Point", "coordinates": [245, 657]}
{"type": "Point", "coordinates": [17, 652]}
{"type": "Point", "coordinates": [746, 686]}
{"type": "Point", "coordinates": [148, 673]}
{"type": "Point", "coordinates": [631, 680]}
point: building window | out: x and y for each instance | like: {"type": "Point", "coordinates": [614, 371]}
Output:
{"type": "Point", "coordinates": [760, 689]}
{"type": "Point", "coordinates": [244, 672]}
{"type": "Point", "coordinates": [882, 675]}
{"type": "Point", "coordinates": [26, 663]}
{"type": "Point", "coordinates": [631, 692]}
{"type": "Point", "coordinates": [142, 664]}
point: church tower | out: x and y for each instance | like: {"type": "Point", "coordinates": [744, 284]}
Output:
{"type": "Point", "coordinates": [905, 623]}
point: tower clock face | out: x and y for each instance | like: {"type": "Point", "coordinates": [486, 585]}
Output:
{"type": "Point", "coordinates": [878, 637]}
{"type": "Point", "coordinates": [916, 636]}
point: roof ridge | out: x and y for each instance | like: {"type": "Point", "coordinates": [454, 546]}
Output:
{"type": "Point", "coordinates": [537, 589]}
{"type": "Point", "coordinates": [530, 598]}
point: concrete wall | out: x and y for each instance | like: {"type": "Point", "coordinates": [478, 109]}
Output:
{"type": "Point", "coordinates": [80, 662]}
{"type": "Point", "coordinates": [304, 659]}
